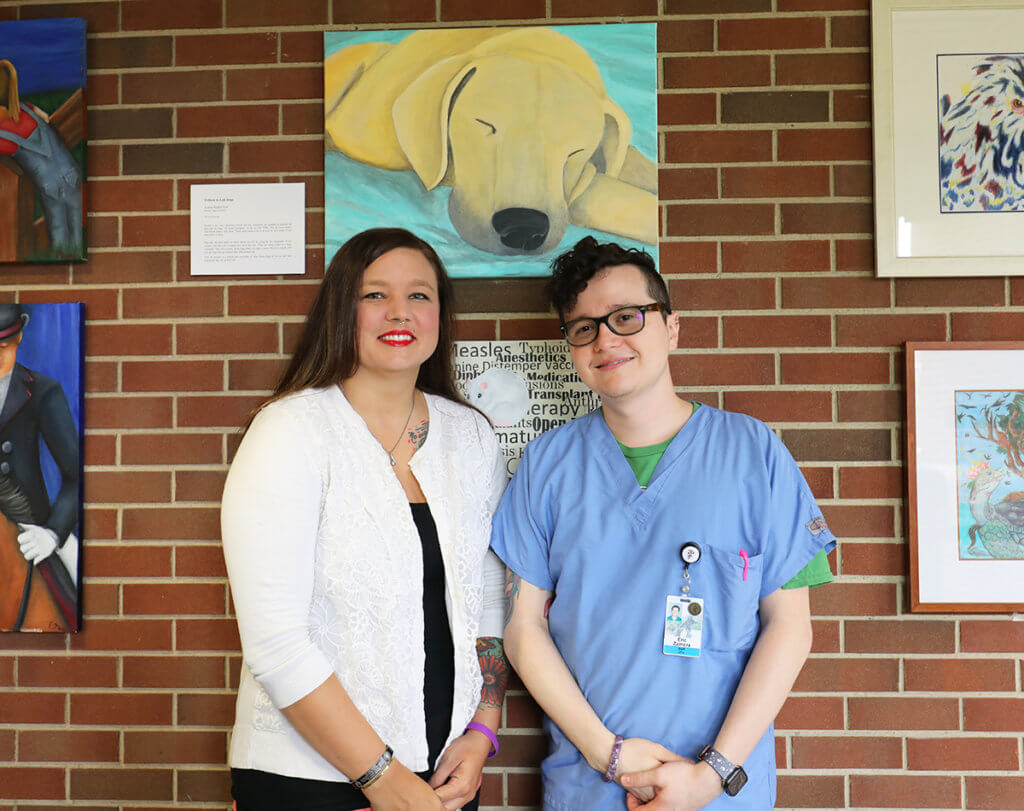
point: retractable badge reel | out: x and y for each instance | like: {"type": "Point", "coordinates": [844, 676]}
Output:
{"type": "Point", "coordinates": [684, 620]}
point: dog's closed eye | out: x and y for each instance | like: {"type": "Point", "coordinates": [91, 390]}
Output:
{"type": "Point", "coordinates": [487, 124]}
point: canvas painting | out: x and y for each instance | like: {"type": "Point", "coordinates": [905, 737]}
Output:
{"type": "Point", "coordinates": [42, 140]}
{"type": "Point", "coordinates": [40, 466]}
{"type": "Point", "coordinates": [502, 147]}
{"type": "Point", "coordinates": [990, 474]}
{"type": "Point", "coordinates": [981, 132]}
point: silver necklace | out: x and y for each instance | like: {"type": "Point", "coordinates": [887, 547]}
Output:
{"type": "Point", "coordinates": [391, 453]}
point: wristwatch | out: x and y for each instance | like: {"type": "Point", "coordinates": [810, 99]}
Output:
{"type": "Point", "coordinates": [733, 777]}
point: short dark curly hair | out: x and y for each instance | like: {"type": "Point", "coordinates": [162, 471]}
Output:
{"type": "Point", "coordinates": [573, 270]}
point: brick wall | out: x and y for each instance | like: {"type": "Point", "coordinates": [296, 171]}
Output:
{"type": "Point", "coordinates": [767, 224]}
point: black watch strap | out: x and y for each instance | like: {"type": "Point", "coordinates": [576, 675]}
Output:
{"type": "Point", "coordinates": [733, 777]}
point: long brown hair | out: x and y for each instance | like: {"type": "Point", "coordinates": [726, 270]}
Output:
{"type": "Point", "coordinates": [327, 353]}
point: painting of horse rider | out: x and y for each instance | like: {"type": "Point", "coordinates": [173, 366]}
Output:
{"type": "Point", "coordinates": [42, 140]}
{"type": "Point", "coordinates": [40, 466]}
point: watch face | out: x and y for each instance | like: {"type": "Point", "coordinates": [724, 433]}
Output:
{"type": "Point", "coordinates": [736, 781]}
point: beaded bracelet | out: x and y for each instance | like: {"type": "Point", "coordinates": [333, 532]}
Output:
{"type": "Point", "coordinates": [613, 761]}
{"type": "Point", "coordinates": [372, 775]}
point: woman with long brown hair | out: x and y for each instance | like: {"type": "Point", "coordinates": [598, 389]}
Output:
{"type": "Point", "coordinates": [356, 519]}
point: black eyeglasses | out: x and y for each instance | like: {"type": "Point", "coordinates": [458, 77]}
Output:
{"type": "Point", "coordinates": [623, 321]}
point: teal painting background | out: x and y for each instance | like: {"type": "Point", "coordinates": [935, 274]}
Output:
{"type": "Point", "coordinates": [358, 196]}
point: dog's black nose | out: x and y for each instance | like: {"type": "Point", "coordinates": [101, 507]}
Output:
{"type": "Point", "coordinates": [522, 229]}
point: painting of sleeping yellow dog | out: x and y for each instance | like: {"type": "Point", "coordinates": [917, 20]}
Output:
{"type": "Point", "coordinates": [500, 146]}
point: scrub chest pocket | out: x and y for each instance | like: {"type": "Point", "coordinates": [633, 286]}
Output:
{"type": "Point", "coordinates": [731, 588]}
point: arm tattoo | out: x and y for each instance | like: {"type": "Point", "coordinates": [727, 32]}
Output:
{"type": "Point", "coordinates": [418, 434]}
{"type": "Point", "coordinates": [512, 584]}
{"type": "Point", "coordinates": [494, 668]}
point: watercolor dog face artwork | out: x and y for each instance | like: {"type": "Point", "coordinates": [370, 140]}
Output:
{"type": "Point", "coordinates": [990, 474]}
{"type": "Point", "coordinates": [497, 145]}
{"type": "Point", "coordinates": [981, 132]}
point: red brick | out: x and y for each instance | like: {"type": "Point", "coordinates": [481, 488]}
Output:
{"type": "Point", "coordinates": [775, 256]}
{"type": "Point", "coordinates": [519, 329]}
{"type": "Point", "coordinates": [995, 793]}
{"type": "Point", "coordinates": [994, 714]}
{"type": "Point", "coordinates": [783, 33]}
{"type": "Point", "coordinates": [899, 636]}
{"type": "Point", "coordinates": [303, 119]}
{"type": "Point", "coordinates": [854, 599]}
{"type": "Point", "coordinates": [700, 219]}
{"type": "Point", "coordinates": [871, 482]}
{"type": "Point", "coordinates": [825, 218]}
{"type": "Point", "coordinates": [777, 330]}
{"type": "Point", "coordinates": [171, 449]}
{"type": "Point", "coordinates": [235, 119]}
{"type": "Point", "coordinates": [604, 8]}
{"type": "Point", "coordinates": [263, 374]}
{"type": "Point", "coordinates": [157, 14]}
{"type": "Point", "coordinates": [274, 83]}
{"type": "Point", "coordinates": [56, 745]}
{"type": "Point", "coordinates": [172, 86]}
{"type": "Point", "coordinates": [123, 635]}
{"type": "Point", "coordinates": [853, 181]}
{"type": "Point", "coordinates": [949, 293]}
{"type": "Point", "coordinates": [102, 159]}
{"type": "Point", "coordinates": [826, 636]}
{"type": "Point", "coordinates": [717, 147]}
{"type": "Point", "coordinates": [822, 69]}
{"type": "Point", "coordinates": [175, 747]}
{"type": "Point", "coordinates": [775, 181]}
{"type": "Point", "coordinates": [199, 485]}
{"type": "Point", "coordinates": [851, 105]}
{"type": "Point", "coordinates": [103, 232]}
{"type": "Point", "coordinates": [103, 90]}
{"type": "Point", "coordinates": [112, 486]}
{"type": "Point", "coordinates": [391, 11]}
{"type": "Point", "coordinates": [238, 338]}
{"type": "Point", "coordinates": [836, 675]}
{"type": "Point", "coordinates": [688, 257]}
{"type": "Point", "coordinates": [691, 369]}
{"type": "Point", "coordinates": [987, 326]}
{"type": "Point", "coordinates": [173, 302]}
{"type": "Point", "coordinates": [688, 184]}
{"type": "Point", "coordinates": [275, 299]}
{"type": "Point", "coordinates": [229, 411]}
{"type": "Point", "coordinates": [810, 791]}
{"type": "Point", "coordinates": [1016, 292]}
{"type": "Point", "coordinates": [120, 709]}
{"type": "Point", "coordinates": [819, 479]}
{"type": "Point", "coordinates": [174, 598]}
{"type": "Point", "coordinates": [676, 36]}
{"type": "Point", "coordinates": [128, 339]}
{"type": "Point", "coordinates": [26, 783]}
{"type": "Point", "coordinates": [835, 367]}
{"type": "Point", "coordinates": [472, 10]}
{"type": "Point", "coordinates": [99, 524]}
{"type": "Point", "coordinates": [206, 709]}
{"type": "Point", "coordinates": [889, 330]}
{"type": "Point", "coordinates": [129, 412]}
{"type": "Point", "coordinates": [99, 304]}
{"type": "Point", "coordinates": [101, 598]}
{"type": "Point", "coordinates": [272, 14]}
{"type": "Point", "coordinates": [716, 6]}
{"type": "Point", "coordinates": [782, 406]}
{"type": "Point", "coordinates": [200, 560]}
{"type": "Point", "coordinates": [21, 642]}
{"type": "Point", "coordinates": [904, 791]}
{"type": "Point", "coordinates": [717, 71]}
{"type": "Point", "coordinates": [847, 752]}
{"type": "Point", "coordinates": [100, 449]}
{"type": "Point", "coordinates": [813, 292]}
{"type": "Point", "coordinates": [171, 523]}
{"type": "Point", "coordinates": [823, 5]}
{"type": "Point", "coordinates": [131, 195]}
{"type": "Point", "coordinates": [687, 108]}
{"type": "Point", "coordinates": [904, 713]}
{"type": "Point", "coordinates": [122, 784]}
{"type": "Point", "coordinates": [860, 520]}
{"type": "Point", "coordinates": [883, 405]}
{"type": "Point", "coordinates": [466, 329]}
{"type": "Point", "coordinates": [100, 17]}
{"type": "Point", "coordinates": [722, 294]}
{"type": "Point", "coordinates": [108, 267]}
{"type": "Point", "coordinates": [31, 708]}
{"type": "Point", "coordinates": [825, 145]}
{"type": "Point", "coordinates": [962, 754]}
{"type": "Point", "coordinates": [992, 636]}
{"type": "Point", "coordinates": [125, 560]}
{"type": "Point", "coordinates": [67, 671]}
{"type": "Point", "coordinates": [276, 156]}
{"type": "Point", "coordinates": [225, 49]}
{"type": "Point", "coordinates": [851, 32]}
{"type": "Point", "coordinates": [811, 713]}
{"type": "Point", "coordinates": [168, 229]}
{"type": "Point", "coordinates": [874, 559]}
{"type": "Point", "coordinates": [174, 671]}
{"type": "Point", "coordinates": [207, 634]}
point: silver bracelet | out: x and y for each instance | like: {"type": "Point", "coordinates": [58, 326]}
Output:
{"type": "Point", "coordinates": [372, 775]}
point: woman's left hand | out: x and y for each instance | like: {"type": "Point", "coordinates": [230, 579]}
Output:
{"type": "Point", "coordinates": [459, 771]}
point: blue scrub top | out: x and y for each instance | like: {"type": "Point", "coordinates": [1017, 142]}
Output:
{"type": "Point", "coordinates": [574, 521]}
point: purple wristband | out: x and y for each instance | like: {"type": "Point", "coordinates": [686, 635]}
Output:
{"type": "Point", "coordinates": [613, 761]}
{"type": "Point", "coordinates": [486, 730]}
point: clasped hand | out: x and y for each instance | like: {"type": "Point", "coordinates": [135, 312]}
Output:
{"type": "Point", "coordinates": [680, 785]}
{"type": "Point", "coordinates": [641, 756]}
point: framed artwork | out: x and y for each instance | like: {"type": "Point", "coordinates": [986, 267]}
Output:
{"type": "Point", "coordinates": [948, 97]}
{"type": "Point", "coordinates": [501, 147]}
{"type": "Point", "coordinates": [41, 360]}
{"type": "Point", "coordinates": [965, 471]}
{"type": "Point", "coordinates": [42, 140]}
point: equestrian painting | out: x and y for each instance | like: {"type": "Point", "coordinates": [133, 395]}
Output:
{"type": "Point", "coordinates": [40, 466]}
{"type": "Point", "coordinates": [499, 146]}
{"type": "Point", "coordinates": [42, 140]}
{"type": "Point", "coordinates": [990, 474]}
{"type": "Point", "coordinates": [981, 132]}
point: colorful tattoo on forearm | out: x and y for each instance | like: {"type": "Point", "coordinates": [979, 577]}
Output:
{"type": "Point", "coordinates": [494, 668]}
{"type": "Point", "coordinates": [512, 584]}
{"type": "Point", "coordinates": [418, 434]}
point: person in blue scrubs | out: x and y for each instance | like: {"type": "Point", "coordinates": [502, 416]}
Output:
{"type": "Point", "coordinates": [616, 516]}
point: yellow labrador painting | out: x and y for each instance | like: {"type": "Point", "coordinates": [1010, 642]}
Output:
{"type": "Point", "coordinates": [516, 125]}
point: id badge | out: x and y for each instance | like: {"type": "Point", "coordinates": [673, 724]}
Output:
{"type": "Point", "coordinates": [684, 626]}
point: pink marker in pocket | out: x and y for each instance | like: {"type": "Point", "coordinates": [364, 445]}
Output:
{"type": "Point", "coordinates": [746, 564]}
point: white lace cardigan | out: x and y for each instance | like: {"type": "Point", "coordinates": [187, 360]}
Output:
{"type": "Point", "coordinates": [326, 572]}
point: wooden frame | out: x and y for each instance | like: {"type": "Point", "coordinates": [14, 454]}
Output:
{"type": "Point", "coordinates": [965, 524]}
{"type": "Point", "coordinates": [931, 218]}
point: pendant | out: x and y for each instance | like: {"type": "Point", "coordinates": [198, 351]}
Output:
{"type": "Point", "coordinates": [392, 458]}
